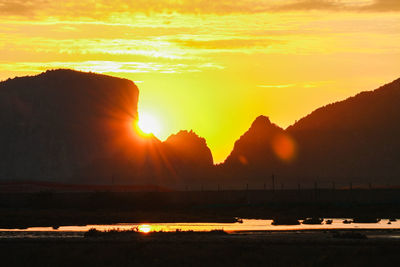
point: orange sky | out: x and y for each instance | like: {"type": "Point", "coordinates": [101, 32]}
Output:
{"type": "Point", "coordinates": [211, 66]}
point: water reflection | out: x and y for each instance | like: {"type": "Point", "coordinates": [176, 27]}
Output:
{"type": "Point", "coordinates": [144, 228]}
{"type": "Point", "coordinates": [244, 225]}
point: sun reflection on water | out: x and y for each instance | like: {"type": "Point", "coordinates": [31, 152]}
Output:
{"type": "Point", "coordinates": [144, 228]}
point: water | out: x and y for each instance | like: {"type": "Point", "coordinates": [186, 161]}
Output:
{"type": "Point", "coordinates": [248, 225]}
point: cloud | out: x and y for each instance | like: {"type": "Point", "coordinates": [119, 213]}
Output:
{"type": "Point", "coordinates": [105, 9]}
{"type": "Point", "coordinates": [384, 5]}
{"type": "Point", "coordinates": [15, 8]}
{"type": "Point", "coordinates": [276, 85]}
{"type": "Point", "coordinates": [311, 84]}
{"type": "Point", "coordinates": [227, 43]}
{"type": "Point", "coordinates": [305, 5]}
{"type": "Point", "coordinates": [111, 66]}
{"type": "Point", "coordinates": [340, 5]}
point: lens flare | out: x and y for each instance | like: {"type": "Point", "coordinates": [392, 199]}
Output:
{"type": "Point", "coordinates": [284, 147]}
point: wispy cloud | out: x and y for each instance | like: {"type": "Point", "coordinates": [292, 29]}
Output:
{"type": "Point", "coordinates": [311, 84]}
{"type": "Point", "coordinates": [227, 43]}
{"type": "Point", "coordinates": [111, 66]}
{"type": "Point", "coordinates": [276, 85]}
{"type": "Point", "coordinates": [383, 5]}
{"type": "Point", "coordinates": [104, 9]}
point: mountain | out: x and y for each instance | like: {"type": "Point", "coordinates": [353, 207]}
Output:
{"type": "Point", "coordinates": [257, 146]}
{"type": "Point", "coordinates": [189, 158]}
{"type": "Point", "coordinates": [355, 140]}
{"type": "Point", "coordinates": [76, 127]}
{"type": "Point", "coordinates": [58, 121]}
{"type": "Point", "coordinates": [190, 148]}
{"type": "Point", "coordinates": [65, 126]}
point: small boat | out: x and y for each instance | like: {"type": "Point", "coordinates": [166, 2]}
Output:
{"type": "Point", "coordinates": [238, 220]}
{"type": "Point", "coordinates": [366, 220]}
{"type": "Point", "coordinates": [329, 221]}
{"type": "Point", "coordinates": [313, 220]}
{"type": "Point", "coordinates": [347, 221]}
{"type": "Point", "coordinates": [392, 220]}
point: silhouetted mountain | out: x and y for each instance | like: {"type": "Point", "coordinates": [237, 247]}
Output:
{"type": "Point", "coordinates": [355, 140]}
{"type": "Point", "coordinates": [189, 148]}
{"type": "Point", "coordinates": [254, 151]}
{"type": "Point", "coordinates": [256, 146]}
{"type": "Point", "coordinates": [70, 126]}
{"type": "Point", "coordinates": [74, 127]}
{"type": "Point", "coordinates": [189, 157]}
{"type": "Point", "coordinates": [58, 121]}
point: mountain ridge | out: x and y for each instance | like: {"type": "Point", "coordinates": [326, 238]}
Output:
{"type": "Point", "coordinates": [76, 127]}
{"type": "Point", "coordinates": [350, 140]}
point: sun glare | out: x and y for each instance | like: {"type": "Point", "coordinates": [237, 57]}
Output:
{"type": "Point", "coordinates": [144, 228]}
{"type": "Point", "coordinates": [148, 124]}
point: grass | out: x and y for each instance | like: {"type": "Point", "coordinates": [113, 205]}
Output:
{"type": "Point", "coordinates": [135, 232]}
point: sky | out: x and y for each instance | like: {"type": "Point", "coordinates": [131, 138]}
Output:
{"type": "Point", "coordinates": [211, 66]}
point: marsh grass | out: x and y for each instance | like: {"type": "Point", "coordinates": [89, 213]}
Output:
{"type": "Point", "coordinates": [135, 232]}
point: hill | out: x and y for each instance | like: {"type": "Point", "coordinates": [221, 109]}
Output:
{"type": "Point", "coordinates": [355, 140]}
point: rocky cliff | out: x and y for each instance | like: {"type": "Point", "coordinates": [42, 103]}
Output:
{"type": "Point", "coordinates": [69, 126]}
{"type": "Point", "coordinates": [58, 121]}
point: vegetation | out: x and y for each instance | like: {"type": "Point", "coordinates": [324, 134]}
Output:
{"type": "Point", "coordinates": [135, 232]}
{"type": "Point", "coordinates": [278, 249]}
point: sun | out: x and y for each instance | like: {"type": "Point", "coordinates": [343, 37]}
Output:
{"type": "Point", "coordinates": [148, 124]}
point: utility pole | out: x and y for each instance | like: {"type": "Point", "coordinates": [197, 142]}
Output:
{"type": "Point", "coordinates": [351, 191]}
{"type": "Point", "coordinates": [273, 183]}
{"type": "Point", "coordinates": [315, 190]}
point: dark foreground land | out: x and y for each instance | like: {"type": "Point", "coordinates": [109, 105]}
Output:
{"type": "Point", "coordinates": [269, 249]}
{"type": "Point", "coordinates": [22, 210]}
{"type": "Point", "coordinates": [305, 248]}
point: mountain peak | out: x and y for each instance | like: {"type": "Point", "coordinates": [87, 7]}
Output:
{"type": "Point", "coordinates": [189, 146]}
{"type": "Point", "coordinates": [261, 121]}
{"type": "Point", "coordinates": [185, 136]}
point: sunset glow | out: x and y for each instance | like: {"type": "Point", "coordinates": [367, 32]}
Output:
{"type": "Point", "coordinates": [148, 124]}
{"type": "Point", "coordinates": [211, 67]}
{"type": "Point", "coordinates": [144, 228]}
